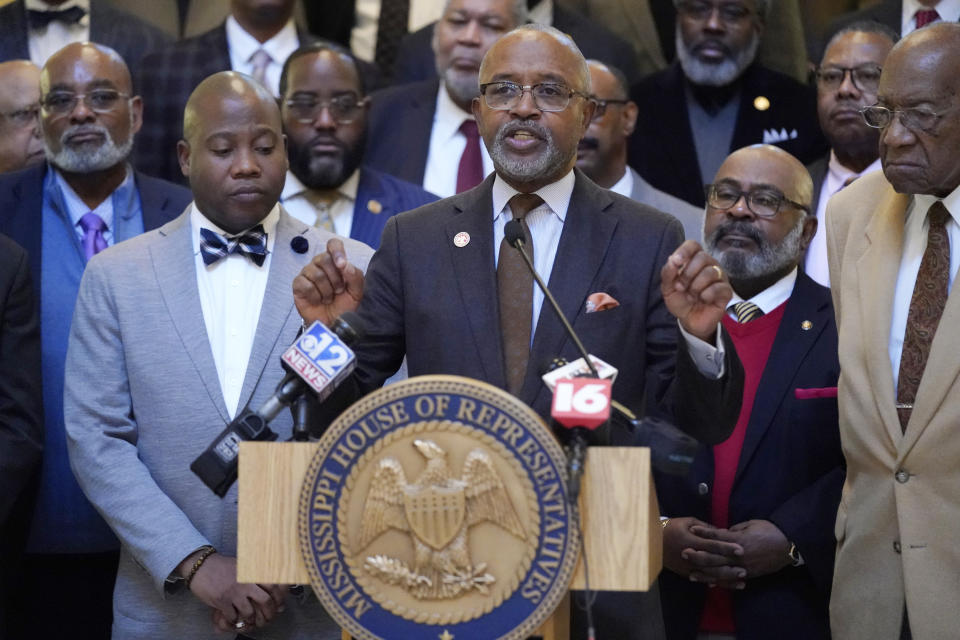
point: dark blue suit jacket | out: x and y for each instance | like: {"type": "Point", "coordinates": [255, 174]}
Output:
{"type": "Point", "coordinates": [791, 472]}
{"type": "Point", "coordinates": [131, 37]}
{"type": "Point", "coordinates": [392, 196]}
{"type": "Point", "coordinates": [399, 128]}
{"type": "Point", "coordinates": [21, 203]}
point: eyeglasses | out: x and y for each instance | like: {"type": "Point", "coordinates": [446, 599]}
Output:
{"type": "Point", "coordinates": [23, 117]}
{"type": "Point", "coordinates": [547, 96]}
{"type": "Point", "coordinates": [729, 12]}
{"type": "Point", "coordinates": [866, 77]}
{"type": "Point", "coordinates": [343, 109]}
{"type": "Point", "coordinates": [764, 203]}
{"type": "Point", "coordinates": [601, 109]}
{"type": "Point", "coordinates": [914, 119]}
{"type": "Point", "coordinates": [61, 103]}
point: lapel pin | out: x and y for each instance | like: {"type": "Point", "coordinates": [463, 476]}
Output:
{"type": "Point", "coordinates": [462, 239]}
{"type": "Point", "coordinates": [806, 325]}
{"type": "Point", "coordinates": [299, 244]}
{"type": "Point", "coordinates": [761, 103]}
{"type": "Point", "coordinates": [374, 206]}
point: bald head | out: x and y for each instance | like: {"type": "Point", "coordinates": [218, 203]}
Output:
{"type": "Point", "coordinates": [233, 152]}
{"type": "Point", "coordinates": [920, 79]}
{"type": "Point", "coordinates": [534, 33]}
{"type": "Point", "coordinates": [81, 60]}
{"type": "Point", "coordinates": [757, 241]}
{"type": "Point", "coordinates": [20, 142]}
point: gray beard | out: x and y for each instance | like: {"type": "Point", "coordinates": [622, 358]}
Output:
{"type": "Point", "coordinates": [461, 89]}
{"type": "Point", "coordinates": [770, 258]}
{"type": "Point", "coordinates": [526, 170]}
{"type": "Point", "coordinates": [103, 157]}
{"type": "Point", "coordinates": [715, 75]}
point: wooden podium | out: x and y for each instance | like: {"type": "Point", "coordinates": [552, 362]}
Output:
{"type": "Point", "coordinates": [620, 521]}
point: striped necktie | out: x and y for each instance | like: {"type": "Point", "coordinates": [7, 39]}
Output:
{"type": "Point", "coordinates": [746, 311]}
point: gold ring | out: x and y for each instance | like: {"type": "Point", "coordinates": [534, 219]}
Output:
{"type": "Point", "coordinates": [719, 271]}
{"type": "Point", "coordinates": [239, 624]}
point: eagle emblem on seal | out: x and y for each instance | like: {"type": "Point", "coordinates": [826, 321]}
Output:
{"type": "Point", "coordinates": [437, 509]}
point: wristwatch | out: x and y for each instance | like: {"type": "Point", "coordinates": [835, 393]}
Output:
{"type": "Point", "coordinates": [794, 554]}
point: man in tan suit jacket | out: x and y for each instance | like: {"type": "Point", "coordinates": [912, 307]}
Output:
{"type": "Point", "coordinates": [898, 561]}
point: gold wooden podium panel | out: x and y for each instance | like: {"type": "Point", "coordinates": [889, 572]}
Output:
{"type": "Point", "coordinates": [621, 527]}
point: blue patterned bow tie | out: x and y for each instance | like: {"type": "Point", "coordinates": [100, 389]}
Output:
{"type": "Point", "coordinates": [252, 244]}
{"type": "Point", "coordinates": [41, 19]}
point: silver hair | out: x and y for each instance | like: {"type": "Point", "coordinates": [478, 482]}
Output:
{"type": "Point", "coordinates": [582, 71]}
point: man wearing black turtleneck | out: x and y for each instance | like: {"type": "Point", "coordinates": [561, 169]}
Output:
{"type": "Point", "coordinates": [716, 98]}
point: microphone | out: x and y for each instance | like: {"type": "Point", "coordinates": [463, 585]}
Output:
{"type": "Point", "coordinates": [318, 361]}
{"type": "Point", "coordinates": [581, 406]}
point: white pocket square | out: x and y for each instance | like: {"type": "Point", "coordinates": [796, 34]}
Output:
{"type": "Point", "coordinates": [772, 136]}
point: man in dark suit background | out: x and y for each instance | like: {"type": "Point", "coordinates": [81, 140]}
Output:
{"type": "Point", "coordinates": [62, 212]}
{"type": "Point", "coordinates": [432, 289]}
{"type": "Point", "coordinates": [415, 58]}
{"type": "Point", "coordinates": [324, 108]}
{"type": "Point", "coordinates": [847, 81]}
{"type": "Point", "coordinates": [754, 516]}
{"type": "Point", "coordinates": [425, 132]}
{"type": "Point", "coordinates": [20, 144]}
{"type": "Point", "coordinates": [34, 34]}
{"type": "Point", "coordinates": [715, 99]}
{"type": "Point", "coordinates": [21, 413]}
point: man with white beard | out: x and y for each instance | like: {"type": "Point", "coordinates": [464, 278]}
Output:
{"type": "Point", "coordinates": [716, 98]}
{"type": "Point", "coordinates": [83, 199]}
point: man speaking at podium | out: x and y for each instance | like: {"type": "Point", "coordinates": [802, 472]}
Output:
{"type": "Point", "coordinates": [447, 291]}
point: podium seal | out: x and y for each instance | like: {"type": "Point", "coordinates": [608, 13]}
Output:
{"type": "Point", "coordinates": [436, 508]}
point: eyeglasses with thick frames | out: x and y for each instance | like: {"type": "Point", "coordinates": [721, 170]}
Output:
{"type": "Point", "coordinates": [61, 103]}
{"type": "Point", "coordinates": [23, 117]}
{"type": "Point", "coordinates": [601, 109]}
{"type": "Point", "coordinates": [914, 119]}
{"type": "Point", "coordinates": [547, 96]}
{"type": "Point", "coordinates": [729, 12]}
{"type": "Point", "coordinates": [764, 203]}
{"type": "Point", "coordinates": [865, 77]}
{"type": "Point", "coordinates": [343, 109]}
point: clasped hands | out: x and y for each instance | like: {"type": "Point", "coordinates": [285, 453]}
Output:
{"type": "Point", "coordinates": [724, 557]}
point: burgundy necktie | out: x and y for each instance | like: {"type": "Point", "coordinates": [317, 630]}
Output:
{"type": "Point", "coordinates": [470, 173]}
{"type": "Point", "coordinates": [515, 292]}
{"type": "Point", "coordinates": [93, 241]}
{"type": "Point", "coordinates": [926, 16]}
{"type": "Point", "coordinates": [926, 307]}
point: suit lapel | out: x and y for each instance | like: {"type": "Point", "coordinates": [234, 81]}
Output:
{"type": "Point", "coordinates": [790, 347]}
{"type": "Point", "coordinates": [175, 268]}
{"type": "Point", "coordinates": [364, 227]}
{"type": "Point", "coordinates": [580, 253]}
{"type": "Point", "coordinates": [153, 203]}
{"type": "Point", "coordinates": [420, 116]}
{"type": "Point", "coordinates": [277, 305]}
{"type": "Point", "coordinates": [475, 275]}
{"type": "Point", "coordinates": [880, 264]}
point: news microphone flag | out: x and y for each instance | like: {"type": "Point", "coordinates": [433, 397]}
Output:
{"type": "Point", "coordinates": [321, 359]}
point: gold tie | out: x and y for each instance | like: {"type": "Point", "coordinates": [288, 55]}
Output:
{"type": "Point", "coordinates": [746, 311]}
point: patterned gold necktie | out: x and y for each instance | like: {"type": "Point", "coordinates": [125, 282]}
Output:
{"type": "Point", "coordinates": [515, 293]}
{"type": "Point", "coordinates": [746, 311]}
{"type": "Point", "coordinates": [926, 306]}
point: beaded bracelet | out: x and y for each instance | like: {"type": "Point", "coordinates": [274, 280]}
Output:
{"type": "Point", "coordinates": [205, 552]}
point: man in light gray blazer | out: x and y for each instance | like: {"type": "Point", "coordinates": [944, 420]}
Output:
{"type": "Point", "coordinates": [175, 331]}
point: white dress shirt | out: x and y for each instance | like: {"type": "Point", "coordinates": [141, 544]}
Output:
{"type": "Point", "coordinates": [446, 147]}
{"type": "Point", "coordinates": [915, 230]}
{"type": "Point", "coordinates": [949, 11]}
{"type": "Point", "coordinates": [771, 297]}
{"type": "Point", "coordinates": [231, 295]}
{"type": "Point", "coordinates": [242, 46]}
{"type": "Point", "coordinates": [815, 264]}
{"type": "Point", "coordinates": [363, 37]}
{"type": "Point", "coordinates": [301, 203]}
{"type": "Point", "coordinates": [624, 185]}
{"type": "Point", "coordinates": [542, 13]}
{"type": "Point", "coordinates": [77, 208]}
{"type": "Point", "coordinates": [43, 43]}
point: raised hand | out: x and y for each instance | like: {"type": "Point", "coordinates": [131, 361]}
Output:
{"type": "Point", "coordinates": [695, 290]}
{"type": "Point", "coordinates": [328, 286]}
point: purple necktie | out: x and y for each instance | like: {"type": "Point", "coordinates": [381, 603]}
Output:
{"type": "Point", "coordinates": [470, 173]}
{"type": "Point", "coordinates": [93, 241]}
{"type": "Point", "coordinates": [926, 16]}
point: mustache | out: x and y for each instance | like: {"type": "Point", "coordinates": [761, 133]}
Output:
{"type": "Point", "coordinates": [715, 44]}
{"type": "Point", "coordinates": [328, 140]}
{"type": "Point", "coordinates": [532, 126]}
{"type": "Point", "coordinates": [83, 129]}
{"type": "Point", "coordinates": [738, 228]}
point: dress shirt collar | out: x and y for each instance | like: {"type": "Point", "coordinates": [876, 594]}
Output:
{"type": "Point", "coordinates": [923, 202]}
{"type": "Point", "coordinates": [556, 195]}
{"type": "Point", "coordinates": [37, 5]}
{"type": "Point", "coordinates": [245, 45]}
{"type": "Point", "coordinates": [293, 187]}
{"type": "Point", "coordinates": [448, 116]}
{"type": "Point", "coordinates": [199, 221]}
{"type": "Point", "coordinates": [773, 296]}
{"type": "Point", "coordinates": [120, 200]}
{"type": "Point", "coordinates": [949, 11]}
{"type": "Point", "coordinates": [624, 185]}
{"type": "Point", "coordinates": [841, 174]}
{"type": "Point", "coordinates": [542, 13]}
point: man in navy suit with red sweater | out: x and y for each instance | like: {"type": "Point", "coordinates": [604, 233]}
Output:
{"type": "Point", "coordinates": [754, 516]}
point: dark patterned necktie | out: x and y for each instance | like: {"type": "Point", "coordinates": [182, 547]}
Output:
{"type": "Point", "coordinates": [925, 17]}
{"type": "Point", "coordinates": [470, 171]}
{"type": "Point", "coordinates": [515, 293]}
{"type": "Point", "coordinates": [391, 27]}
{"type": "Point", "coordinates": [746, 311]}
{"type": "Point", "coordinates": [252, 244]}
{"type": "Point", "coordinates": [926, 307]}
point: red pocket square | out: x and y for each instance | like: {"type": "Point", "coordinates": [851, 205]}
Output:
{"type": "Point", "coordinates": [601, 301]}
{"type": "Point", "coordinates": [809, 394]}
